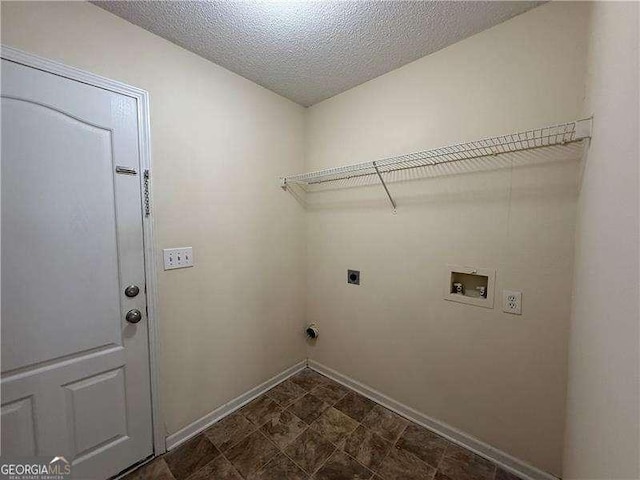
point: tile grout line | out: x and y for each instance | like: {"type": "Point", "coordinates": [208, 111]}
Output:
{"type": "Point", "coordinates": [444, 452]}
{"type": "Point", "coordinates": [272, 443]}
{"type": "Point", "coordinates": [325, 461]}
{"type": "Point", "coordinates": [373, 472]}
{"type": "Point", "coordinates": [393, 445]}
{"type": "Point", "coordinates": [360, 423]}
{"type": "Point", "coordinates": [336, 447]}
{"type": "Point", "coordinates": [308, 426]}
{"type": "Point", "coordinates": [298, 436]}
{"type": "Point", "coordinates": [232, 465]}
{"type": "Point", "coordinates": [259, 430]}
{"type": "Point", "coordinates": [291, 459]}
{"type": "Point", "coordinates": [461, 463]}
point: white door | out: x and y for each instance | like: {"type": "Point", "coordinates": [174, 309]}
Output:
{"type": "Point", "coordinates": [75, 373]}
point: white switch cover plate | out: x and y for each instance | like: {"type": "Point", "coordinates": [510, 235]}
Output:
{"type": "Point", "coordinates": [512, 302]}
{"type": "Point", "coordinates": [178, 258]}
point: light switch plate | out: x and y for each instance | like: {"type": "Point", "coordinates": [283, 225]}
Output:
{"type": "Point", "coordinates": [178, 258]}
{"type": "Point", "coordinates": [512, 302]}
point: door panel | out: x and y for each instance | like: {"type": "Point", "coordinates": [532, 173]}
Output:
{"type": "Point", "coordinates": [18, 426]}
{"type": "Point", "coordinates": [105, 393]}
{"type": "Point", "coordinates": [75, 374]}
{"type": "Point", "coordinates": [61, 241]}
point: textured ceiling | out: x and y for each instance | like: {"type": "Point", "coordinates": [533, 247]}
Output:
{"type": "Point", "coordinates": [308, 51]}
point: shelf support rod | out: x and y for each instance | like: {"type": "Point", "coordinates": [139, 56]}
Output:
{"type": "Point", "coordinates": [393, 203]}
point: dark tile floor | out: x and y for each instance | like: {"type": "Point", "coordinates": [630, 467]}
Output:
{"type": "Point", "coordinates": [310, 427]}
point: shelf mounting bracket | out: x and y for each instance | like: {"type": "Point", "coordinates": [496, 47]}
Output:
{"type": "Point", "coordinates": [393, 203]}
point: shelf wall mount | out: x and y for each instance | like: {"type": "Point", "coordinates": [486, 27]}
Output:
{"type": "Point", "coordinates": [560, 134]}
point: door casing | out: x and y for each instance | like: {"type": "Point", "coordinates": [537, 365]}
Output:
{"type": "Point", "coordinates": [142, 101]}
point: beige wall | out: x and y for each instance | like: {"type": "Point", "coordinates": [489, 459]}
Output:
{"type": "Point", "coordinates": [498, 377]}
{"type": "Point", "coordinates": [603, 398]}
{"type": "Point", "coordinates": [219, 142]}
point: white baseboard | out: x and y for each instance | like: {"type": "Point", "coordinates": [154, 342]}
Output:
{"type": "Point", "coordinates": [219, 413]}
{"type": "Point", "coordinates": [504, 460]}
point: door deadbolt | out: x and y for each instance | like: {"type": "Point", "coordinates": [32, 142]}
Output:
{"type": "Point", "coordinates": [131, 291]}
{"type": "Point", "coordinates": [133, 316]}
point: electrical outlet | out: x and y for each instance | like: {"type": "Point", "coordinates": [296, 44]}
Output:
{"type": "Point", "coordinates": [353, 277]}
{"type": "Point", "coordinates": [512, 302]}
{"type": "Point", "coordinates": [178, 258]}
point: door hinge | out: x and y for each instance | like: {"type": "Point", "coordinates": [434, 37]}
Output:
{"type": "Point", "coordinates": [147, 202]}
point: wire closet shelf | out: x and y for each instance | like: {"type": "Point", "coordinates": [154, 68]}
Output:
{"type": "Point", "coordinates": [560, 134]}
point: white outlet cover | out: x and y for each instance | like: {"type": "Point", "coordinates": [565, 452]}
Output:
{"type": "Point", "coordinates": [512, 302]}
{"type": "Point", "coordinates": [181, 257]}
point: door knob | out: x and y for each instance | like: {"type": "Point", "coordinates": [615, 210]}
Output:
{"type": "Point", "coordinates": [133, 316]}
{"type": "Point", "coordinates": [131, 291]}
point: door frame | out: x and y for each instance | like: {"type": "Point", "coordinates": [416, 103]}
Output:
{"type": "Point", "coordinates": [144, 137]}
